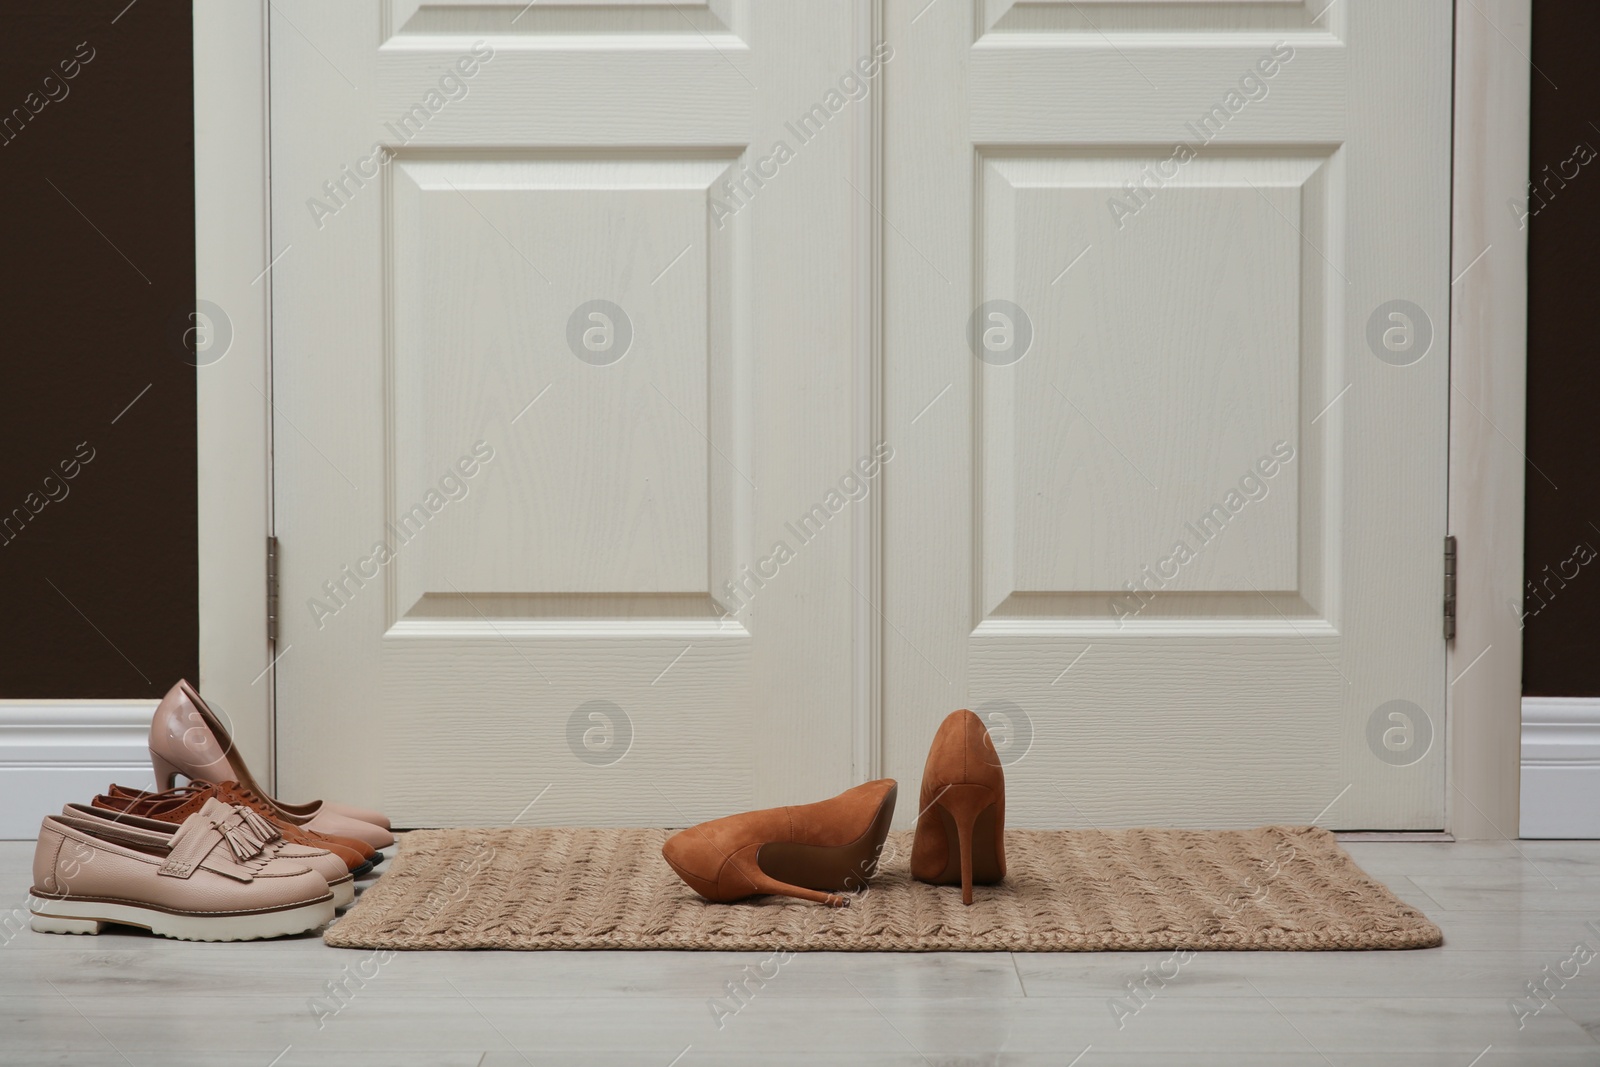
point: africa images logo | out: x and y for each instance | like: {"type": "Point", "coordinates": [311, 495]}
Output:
{"type": "Point", "coordinates": [452, 87]}
{"type": "Point", "coordinates": [1253, 487]}
{"type": "Point", "coordinates": [852, 87]}
{"type": "Point", "coordinates": [1153, 177]}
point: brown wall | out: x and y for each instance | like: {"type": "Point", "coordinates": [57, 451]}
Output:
{"type": "Point", "coordinates": [98, 585]}
{"type": "Point", "coordinates": [1561, 627]}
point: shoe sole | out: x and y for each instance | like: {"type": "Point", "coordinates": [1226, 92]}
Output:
{"type": "Point", "coordinates": [92, 916]}
{"type": "Point", "coordinates": [344, 892]}
{"type": "Point", "coordinates": [831, 869]}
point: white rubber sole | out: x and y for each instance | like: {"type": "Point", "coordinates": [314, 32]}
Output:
{"type": "Point", "coordinates": [344, 892]}
{"type": "Point", "coordinates": [90, 917]}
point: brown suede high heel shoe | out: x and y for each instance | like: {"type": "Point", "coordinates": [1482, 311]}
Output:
{"type": "Point", "coordinates": [811, 851]}
{"type": "Point", "coordinates": [962, 816]}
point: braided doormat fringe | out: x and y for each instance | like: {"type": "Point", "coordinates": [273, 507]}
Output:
{"type": "Point", "coordinates": [1275, 887]}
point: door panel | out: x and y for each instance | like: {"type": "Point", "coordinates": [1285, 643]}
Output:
{"type": "Point", "coordinates": [1176, 475]}
{"type": "Point", "coordinates": [549, 386]}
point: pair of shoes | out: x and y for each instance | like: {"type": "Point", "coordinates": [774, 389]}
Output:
{"type": "Point", "coordinates": [173, 806]}
{"type": "Point", "coordinates": [187, 738]}
{"type": "Point", "coordinates": [222, 875]}
{"type": "Point", "coordinates": [252, 835]}
{"type": "Point", "coordinates": [822, 851]}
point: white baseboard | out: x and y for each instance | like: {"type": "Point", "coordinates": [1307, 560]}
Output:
{"type": "Point", "coordinates": [1431, 837]}
{"type": "Point", "coordinates": [55, 751]}
{"type": "Point", "coordinates": [1560, 767]}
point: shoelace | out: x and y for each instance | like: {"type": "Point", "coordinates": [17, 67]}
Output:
{"type": "Point", "coordinates": [178, 793]}
{"type": "Point", "coordinates": [241, 796]}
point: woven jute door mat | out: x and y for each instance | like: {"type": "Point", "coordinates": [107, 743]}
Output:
{"type": "Point", "coordinates": [1274, 887]}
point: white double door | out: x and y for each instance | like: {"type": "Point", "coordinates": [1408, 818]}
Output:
{"type": "Point", "coordinates": [680, 408]}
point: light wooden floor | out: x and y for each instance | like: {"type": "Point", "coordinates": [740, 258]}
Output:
{"type": "Point", "coordinates": [1507, 911]}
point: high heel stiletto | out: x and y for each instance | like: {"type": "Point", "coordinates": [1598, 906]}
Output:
{"type": "Point", "coordinates": [187, 738]}
{"type": "Point", "coordinates": [960, 838]}
{"type": "Point", "coordinates": [816, 852]}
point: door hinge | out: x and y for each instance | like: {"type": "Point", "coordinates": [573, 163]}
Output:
{"type": "Point", "coordinates": [272, 589]}
{"type": "Point", "coordinates": [1450, 588]}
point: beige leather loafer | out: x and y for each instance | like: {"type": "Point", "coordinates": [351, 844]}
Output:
{"type": "Point", "coordinates": [207, 882]}
{"type": "Point", "coordinates": [245, 825]}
